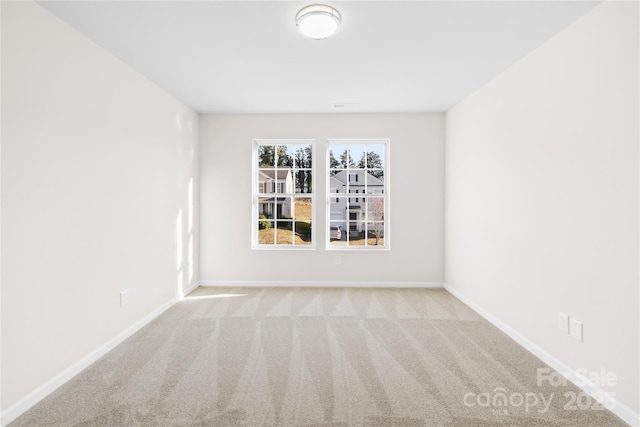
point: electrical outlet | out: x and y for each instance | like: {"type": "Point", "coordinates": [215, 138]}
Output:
{"type": "Point", "coordinates": [563, 322]}
{"type": "Point", "coordinates": [575, 329]}
{"type": "Point", "coordinates": [124, 298]}
{"type": "Point", "coordinates": [338, 260]}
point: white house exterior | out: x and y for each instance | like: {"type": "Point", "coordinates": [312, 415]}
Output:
{"type": "Point", "coordinates": [274, 181]}
{"type": "Point", "coordinates": [356, 183]}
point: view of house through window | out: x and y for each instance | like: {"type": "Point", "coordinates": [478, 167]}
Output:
{"type": "Point", "coordinates": [358, 194]}
{"type": "Point", "coordinates": [283, 193]}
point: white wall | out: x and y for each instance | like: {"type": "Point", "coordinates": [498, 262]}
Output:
{"type": "Point", "coordinates": [96, 163]}
{"type": "Point", "coordinates": [416, 154]}
{"type": "Point", "coordinates": [541, 206]}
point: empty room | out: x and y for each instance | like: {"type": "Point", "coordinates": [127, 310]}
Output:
{"type": "Point", "coordinates": [285, 213]}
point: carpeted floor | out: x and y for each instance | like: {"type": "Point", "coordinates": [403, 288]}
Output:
{"type": "Point", "coordinates": [317, 357]}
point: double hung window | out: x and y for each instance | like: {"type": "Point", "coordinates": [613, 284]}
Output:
{"type": "Point", "coordinates": [358, 194]}
{"type": "Point", "coordinates": [283, 194]}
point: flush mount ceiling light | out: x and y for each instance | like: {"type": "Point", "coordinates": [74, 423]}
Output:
{"type": "Point", "coordinates": [318, 21]}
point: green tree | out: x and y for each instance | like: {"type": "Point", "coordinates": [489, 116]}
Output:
{"type": "Point", "coordinates": [371, 160]}
{"type": "Point", "coordinates": [309, 163]}
{"type": "Point", "coordinates": [308, 181]}
{"type": "Point", "coordinates": [266, 155]}
{"type": "Point", "coordinates": [263, 224]}
{"type": "Point", "coordinates": [300, 162]}
{"type": "Point", "coordinates": [284, 159]}
{"type": "Point", "coordinates": [309, 155]}
{"type": "Point", "coordinates": [345, 159]}
{"type": "Point", "coordinates": [333, 163]}
{"type": "Point", "coordinates": [303, 161]}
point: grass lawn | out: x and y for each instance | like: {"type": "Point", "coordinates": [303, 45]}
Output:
{"type": "Point", "coordinates": [303, 209]}
{"type": "Point", "coordinates": [282, 237]}
{"type": "Point", "coordinates": [371, 241]}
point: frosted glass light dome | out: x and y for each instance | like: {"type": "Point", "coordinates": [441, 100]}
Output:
{"type": "Point", "coordinates": [318, 21]}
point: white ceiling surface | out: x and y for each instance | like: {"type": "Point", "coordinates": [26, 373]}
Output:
{"type": "Point", "coordinates": [247, 57]}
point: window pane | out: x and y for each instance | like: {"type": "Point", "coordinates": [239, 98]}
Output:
{"type": "Point", "coordinates": [302, 180]}
{"type": "Point", "coordinates": [375, 181]}
{"type": "Point", "coordinates": [338, 208]}
{"type": "Point", "coordinates": [265, 180]}
{"type": "Point", "coordinates": [302, 231]}
{"type": "Point", "coordinates": [375, 233]}
{"type": "Point", "coordinates": [337, 232]}
{"type": "Point", "coordinates": [308, 181]}
{"type": "Point", "coordinates": [375, 156]}
{"type": "Point", "coordinates": [303, 208]}
{"type": "Point", "coordinates": [284, 234]}
{"type": "Point", "coordinates": [302, 156]}
{"type": "Point", "coordinates": [266, 231]}
{"type": "Point", "coordinates": [284, 207]}
{"type": "Point", "coordinates": [339, 157]}
{"type": "Point", "coordinates": [338, 221]}
{"type": "Point", "coordinates": [266, 155]}
{"type": "Point", "coordinates": [284, 224]}
{"type": "Point", "coordinates": [279, 180]}
{"type": "Point", "coordinates": [375, 208]}
{"type": "Point", "coordinates": [266, 208]}
{"type": "Point", "coordinates": [338, 183]}
{"type": "Point", "coordinates": [274, 180]}
{"type": "Point", "coordinates": [355, 211]}
{"type": "Point", "coordinates": [355, 231]}
{"type": "Point", "coordinates": [283, 156]}
{"type": "Point", "coordinates": [357, 152]}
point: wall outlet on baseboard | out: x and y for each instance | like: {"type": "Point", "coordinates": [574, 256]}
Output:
{"type": "Point", "coordinates": [563, 322]}
{"type": "Point", "coordinates": [124, 298]}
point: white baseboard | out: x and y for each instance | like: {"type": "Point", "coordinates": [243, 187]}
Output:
{"type": "Point", "coordinates": [316, 284]}
{"type": "Point", "coordinates": [627, 414]}
{"type": "Point", "coordinates": [24, 404]}
{"type": "Point", "coordinates": [189, 289]}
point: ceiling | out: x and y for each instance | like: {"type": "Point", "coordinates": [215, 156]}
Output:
{"type": "Point", "coordinates": [389, 56]}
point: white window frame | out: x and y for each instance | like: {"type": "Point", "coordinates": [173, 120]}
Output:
{"type": "Point", "coordinates": [255, 194]}
{"type": "Point", "coordinates": [386, 195]}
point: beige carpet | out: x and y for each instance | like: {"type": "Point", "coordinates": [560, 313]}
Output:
{"type": "Point", "coordinates": [315, 357]}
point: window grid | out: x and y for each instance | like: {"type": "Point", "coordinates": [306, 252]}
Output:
{"type": "Point", "coordinates": [283, 217]}
{"type": "Point", "coordinates": [358, 167]}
